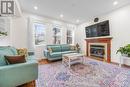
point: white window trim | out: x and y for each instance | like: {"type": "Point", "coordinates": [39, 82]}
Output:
{"type": "Point", "coordinates": [72, 28]}
{"type": "Point", "coordinates": [59, 27]}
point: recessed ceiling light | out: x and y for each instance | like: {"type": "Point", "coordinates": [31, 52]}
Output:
{"type": "Point", "coordinates": [115, 2]}
{"type": "Point", "coordinates": [61, 16]}
{"type": "Point", "coordinates": [77, 21]}
{"type": "Point", "coordinates": [35, 7]}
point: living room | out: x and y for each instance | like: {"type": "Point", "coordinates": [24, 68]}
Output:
{"type": "Point", "coordinates": [70, 43]}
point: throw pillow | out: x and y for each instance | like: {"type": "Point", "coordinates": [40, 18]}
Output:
{"type": "Point", "coordinates": [50, 50]}
{"type": "Point", "coordinates": [15, 59]}
{"type": "Point", "coordinates": [22, 51]}
{"type": "Point", "coordinates": [73, 48]}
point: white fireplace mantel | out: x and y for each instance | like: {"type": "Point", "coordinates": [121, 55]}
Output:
{"type": "Point", "coordinates": [99, 37]}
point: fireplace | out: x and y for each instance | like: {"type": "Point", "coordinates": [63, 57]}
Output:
{"type": "Point", "coordinates": [99, 48]}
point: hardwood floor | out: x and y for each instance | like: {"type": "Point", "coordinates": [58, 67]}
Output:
{"type": "Point", "coordinates": [44, 61]}
{"type": "Point", "coordinates": [30, 84]}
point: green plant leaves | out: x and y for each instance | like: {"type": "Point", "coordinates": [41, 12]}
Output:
{"type": "Point", "coordinates": [3, 33]}
{"type": "Point", "coordinates": [124, 50]}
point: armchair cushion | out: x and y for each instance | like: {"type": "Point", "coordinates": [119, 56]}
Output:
{"type": "Point", "coordinates": [17, 74]}
{"type": "Point", "coordinates": [14, 51]}
{"type": "Point", "coordinates": [2, 60]}
{"type": "Point", "coordinates": [5, 51]}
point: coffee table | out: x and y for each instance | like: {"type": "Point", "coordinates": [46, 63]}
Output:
{"type": "Point", "coordinates": [72, 58]}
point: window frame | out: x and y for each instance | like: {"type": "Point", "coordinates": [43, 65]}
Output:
{"type": "Point", "coordinates": [54, 35]}
{"type": "Point", "coordinates": [70, 28]}
{"type": "Point", "coordinates": [40, 23]}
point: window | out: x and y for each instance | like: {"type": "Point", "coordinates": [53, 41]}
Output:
{"type": "Point", "coordinates": [70, 35]}
{"type": "Point", "coordinates": [56, 35]}
{"type": "Point", "coordinates": [39, 33]}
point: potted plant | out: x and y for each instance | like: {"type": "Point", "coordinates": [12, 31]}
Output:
{"type": "Point", "coordinates": [77, 47]}
{"type": "Point", "coordinates": [125, 51]}
{"type": "Point", "coordinates": [3, 33]}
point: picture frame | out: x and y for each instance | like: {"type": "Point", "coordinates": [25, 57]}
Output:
{"type": "Point", "coordinates": [39, 33]}
{"type": "Point", "coordinates": [4, 26]}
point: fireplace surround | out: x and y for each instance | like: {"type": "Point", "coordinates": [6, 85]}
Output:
{"type": "Point", "coordinates": [99, 48]}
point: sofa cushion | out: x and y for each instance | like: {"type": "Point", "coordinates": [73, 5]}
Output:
{"type": "Point", "coordinates": [55, 54]}
{"type": "Point", "coordinates": [2, 60]}
{"type": "Point", "coordinates": [55, 48]}
{"type": "Point", "coordinates": [67, 52]}
{"type": "Point", "coordinates": [4, 51]}
{"type": "Point", "coordinates": [14, 50]}
{"type": "Point", "coordinates": [15, 59]}
{"type": "Point", "coordinates": [65, 47]}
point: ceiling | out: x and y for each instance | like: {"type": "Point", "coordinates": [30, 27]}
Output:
{"type": "Point", "coordinates": [72, 10]}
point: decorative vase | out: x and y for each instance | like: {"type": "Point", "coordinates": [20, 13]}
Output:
{"type": "Point", "coordinates": [78, 48]}
{"type": "Point", "coordinates": [77, 45]}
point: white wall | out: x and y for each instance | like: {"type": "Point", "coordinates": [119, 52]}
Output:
{"type": "Point", "coordinates": [119, 28]}
{"type": "Point", "coordinates": [22, 27]}
{"type": "Point", "coordinates": [19, 32]}
{"type": "Point", "coordinates": [4, 40]}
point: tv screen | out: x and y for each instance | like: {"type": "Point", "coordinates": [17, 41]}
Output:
{"type": "Point", "coordinates": [98, 30]}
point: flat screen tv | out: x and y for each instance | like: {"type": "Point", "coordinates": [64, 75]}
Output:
{"type": "Point", "coordinates": [98, 30]}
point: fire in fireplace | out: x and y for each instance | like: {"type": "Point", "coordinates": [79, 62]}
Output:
{"type": "Point", "coordinates": [97, 51]}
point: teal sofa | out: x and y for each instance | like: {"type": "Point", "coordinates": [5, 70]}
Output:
{"type": "Point", "coordinates": [16, 74]}
{"type": "Point", "coordinates": [57, 51]}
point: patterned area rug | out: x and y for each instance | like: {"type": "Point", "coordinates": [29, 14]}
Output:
{"type": "Point", "coordinates": [90, 74]}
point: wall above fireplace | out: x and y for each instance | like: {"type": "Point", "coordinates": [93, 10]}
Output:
{"type": "Point", "coordinates": [99, 48]}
